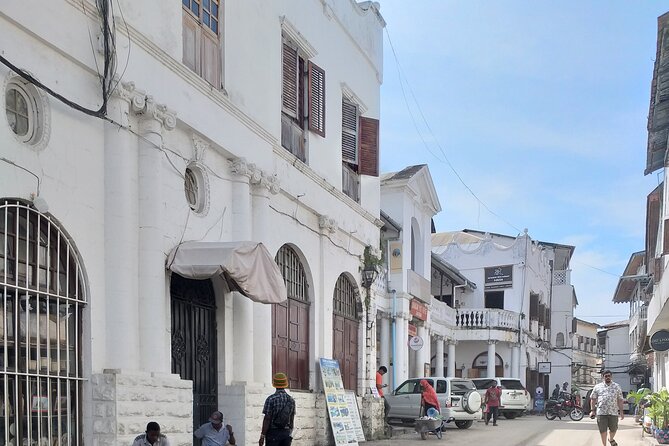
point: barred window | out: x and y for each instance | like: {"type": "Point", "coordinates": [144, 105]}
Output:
{"type": "Point", "coordinates": [345, 299]}
{"type": "Point", "coordinates": [41, 303]}
{"type": "Point", "coordinates": [293, 273]}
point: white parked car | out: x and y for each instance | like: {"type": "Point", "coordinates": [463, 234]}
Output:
{"type": "Point", "coordinates": [515, 398]}
{"type": "Point", "coordinates": [458, 398]}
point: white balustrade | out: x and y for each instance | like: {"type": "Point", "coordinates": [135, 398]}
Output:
{"type": "Point", "coordinates": [475, 318]}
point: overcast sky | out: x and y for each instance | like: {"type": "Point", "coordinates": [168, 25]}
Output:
{"type": "Point", "coordinates": [541, 108]}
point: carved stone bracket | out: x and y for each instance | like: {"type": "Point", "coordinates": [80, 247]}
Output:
{"type": "Point", "coordinates": [143, 105]}
{"type": "Point", "coordinates": [327, 223]}
{"type": "Point", "coordinates": [200, 147]}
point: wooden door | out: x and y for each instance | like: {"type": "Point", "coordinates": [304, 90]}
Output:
{"type": "Point", "coordinates": [345, 349]}
{"type": "Point", "coordinates": [290, 342]}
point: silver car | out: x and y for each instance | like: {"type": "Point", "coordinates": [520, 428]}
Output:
{"type": "Point", "coordinates": [458, 398]}
{"type": "Point", "coordinates": [515, 398]}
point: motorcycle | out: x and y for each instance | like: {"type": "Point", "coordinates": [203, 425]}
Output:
{"type": "Point", "coordinates": [561, 408]}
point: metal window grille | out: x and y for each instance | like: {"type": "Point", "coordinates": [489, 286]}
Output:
{"type": "Point", "coordinates": [41, 305]}
{"type": "Point", "coordinates": [345, 298]}
{"type": "Point", "coordinates": [293, 274]}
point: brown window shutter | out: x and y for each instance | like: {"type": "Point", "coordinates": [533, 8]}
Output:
{"type": "Point", "coordinates": [211, 58]}
{"type": "Point", "coordinates": [349, 132]}
{"type": "Point", "coordinates": [665, 240]}
{"type": "Point", "coordinates": [289, 99]}
{"type": "Point", "coordinates": [191, 41]}
{"type": "Point", "coordinates": [369, 146]}
{"type": "Point", "coordinates": [316, 99]}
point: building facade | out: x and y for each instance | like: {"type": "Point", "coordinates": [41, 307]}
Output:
{"type": "Point", "coordinates": [218, 124]}
{"type": "Point", "coordinates": [508, 317]}
{"type": "Point", "coordinates": [587, 356]}
{"type": "Point", "coordinates": [613, 341]}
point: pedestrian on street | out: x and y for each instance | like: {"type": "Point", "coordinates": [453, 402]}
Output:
{"type": "Point", "coordinates": [428, 398]}
{"type": "Point", "coordinates": [491, 400]}
{"type": "Point", "coordinates": [607, 405]}
{"type": "Point", "coordinates": [151, 437]}
{"type": "Point", "coordinates": [279, 411]}
{"type": "Point", "coordinates": [214, 433]}
{"type": "Point", "coordinates": [380, 386]}
{"type": "Point", "coordinates": [556, 392]}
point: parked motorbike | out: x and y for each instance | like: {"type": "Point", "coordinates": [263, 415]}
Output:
{"type": "Point", "coordinates": [561, 408]}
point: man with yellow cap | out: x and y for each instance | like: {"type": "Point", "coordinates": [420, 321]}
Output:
{"type": "Point", "coordinates": [279, 411]}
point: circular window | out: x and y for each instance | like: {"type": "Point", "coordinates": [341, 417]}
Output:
{"type": "Point", "coordinates": [25, 110]}
{"type": "Point", "coordinates": [196, 189]}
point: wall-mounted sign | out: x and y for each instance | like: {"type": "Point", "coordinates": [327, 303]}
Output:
{"type": "Point", "coordinates": [418, 309]}
{"type": "Point", "coordinates": [499, 277]}
{"type": "Point", "coordinates": [637, 379]}
{"type": "Point", "coordinates": [412, 330]}
{"type": "Point", "coordinates": [544, 367]}
{"type": "Point", "coordinates": [416, 343]}
{"type": "Point", "coordinates": [659, 341]}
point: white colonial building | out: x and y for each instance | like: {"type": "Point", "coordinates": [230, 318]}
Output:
{"type": "Point", "coordinates": [238, 138]}
{"type": "Point", "coordinates": [503, 326]}
{"type": "Point", "coordinates": [587, 356]}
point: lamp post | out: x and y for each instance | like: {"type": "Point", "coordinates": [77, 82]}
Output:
{"type": "Point", "coordinates": [369, 274]}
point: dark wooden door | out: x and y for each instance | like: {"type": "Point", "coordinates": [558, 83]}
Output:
{"type": "Point", "coordinates": [345, 349]}
{"type": "Point", "coordinates": [290, 342]}
{"type": "Point", "coordinates": [194, 343]}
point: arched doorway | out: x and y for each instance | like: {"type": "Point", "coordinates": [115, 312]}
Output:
{"type": "Point", "coordinates": [42, 301]}
{"type": "Point", "coordinates": [290, 322]}
{"type": "Point", "coordinates": [345, 331]}
{"type": "Point", "coordinates": [194, 343]}
{"type": "Point", "coordinates": [480, 366]}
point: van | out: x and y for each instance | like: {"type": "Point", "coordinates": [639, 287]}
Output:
{"type": "Point", "coordinates": [515, 398]}
{"type": "Point", "coordinates": [458, 398]}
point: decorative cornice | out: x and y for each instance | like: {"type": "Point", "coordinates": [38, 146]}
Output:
{"type": "Point", "coordinates": [130, 93]}
{"type": "Point", "coordinates": [257, 177]}
{"type": "Point", "coordinates": [293, 34]}
{"type": "Point", "coordinates": [326, 223]}
{"type": "Point", "coordinates": [149, 109]}
{"type": "Point", "coordinates": [351, 96]}
{"type": "Point", "coordinates": [403, 315]}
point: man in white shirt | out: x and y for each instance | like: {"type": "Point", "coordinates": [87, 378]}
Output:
{"type": "Point", "coordinates": [607, 405]}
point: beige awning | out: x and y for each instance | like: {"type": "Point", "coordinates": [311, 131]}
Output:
{"type": "Point", "coordinates": [247, 267]}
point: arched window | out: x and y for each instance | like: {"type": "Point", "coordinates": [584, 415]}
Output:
{"type": "Point", "coordinates": [290, 322]}
{"type": "Point", "coordinates": [480, 364]}
{"type": "Point", "coordinates": [559, 340]}
{"type": "Point", "coordinates": [345, 330]}
{"type": "Point", "coordinates": [42, 299]}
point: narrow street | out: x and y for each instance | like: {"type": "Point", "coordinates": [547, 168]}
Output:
{"type": "Point", "coordinates": [525, 431]}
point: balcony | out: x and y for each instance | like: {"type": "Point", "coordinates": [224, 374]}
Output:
{"type": "Point", "coordinates": [562, 277]}
{"type": "Point", "coordinates": [473, 324]}
{"type": "Point", "coordinates": [418, 286]}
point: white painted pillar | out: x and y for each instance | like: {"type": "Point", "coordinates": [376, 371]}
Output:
{"type": "Point", "coordinates": [121, 237]}
{"type": "Point", "coordinates": [262, 313]}
{"type": "Point", "coordinates": [439, 360]}
{"type": "Point", "coordinates": [384, 348]}
{"type": "Point", "coordinates": [451, 358]}
{"type": "Point", "coordinates": [401, 353]}
{"type": "Point", "coordinates": [242, 226]}
{"type": "Point", "coordinates": [421, 331]}
{"type": "Point", "coordinates": [491, 359]}
{"type": "Point", "coordinates": [153, 300]}
{"type": "Point", "coordinates": [515, 361]}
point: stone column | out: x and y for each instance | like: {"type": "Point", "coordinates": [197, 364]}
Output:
{"type": "Point", "coordinates": [401, 353]}
{"type": "Point", "coordinates": [515, 361]}
{"type": "Point", "coordinates": [439, 360]}
{"type": "Point", "coordinates": [451, 358]}
{"type": "Point", "coordinates": [121, 235]}
{"type": "Point", "coordinates": [384, 349]}
{"type": "Point", "coordinates": [153, 300]}
{"type": "Point", "coordinates": [242, 228]}
{"type": "Point", "coordinates": [421, 354]}
{"type": "Point", "coordinates": [491, 359]}
{"type": "Point", "coordinates": [263, 185]}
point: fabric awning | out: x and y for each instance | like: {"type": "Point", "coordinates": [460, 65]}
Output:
{"type": "Point", "coordinates": [247, 267]}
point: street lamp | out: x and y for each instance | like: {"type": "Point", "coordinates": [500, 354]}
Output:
{"type": "Point", "coordinates": [369, 273]}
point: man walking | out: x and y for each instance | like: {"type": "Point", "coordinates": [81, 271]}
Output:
{"type": "Point", "coordinates": [214, 433]}
{"type": "Point", "coordinates": [279, 410]}
{"type": "Point", "coordinates": [491, 399]}
{"type": "Point", "coordinates": [607, 404]}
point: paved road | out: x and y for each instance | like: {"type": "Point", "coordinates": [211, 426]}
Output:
{"type": "Point", "coordinates": [524, 431]}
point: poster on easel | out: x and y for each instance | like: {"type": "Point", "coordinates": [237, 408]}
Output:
{"type": "Point", "coordinates": [343, 428]}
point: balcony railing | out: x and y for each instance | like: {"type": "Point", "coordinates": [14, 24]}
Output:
{"type": "Point", "coordinates": [442, 314]}
{"type": "Point", "coordinates": [475, 318]}
{"type": "Point", "coordinates": [562, 277]}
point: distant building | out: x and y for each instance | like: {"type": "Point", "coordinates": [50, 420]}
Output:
{"type": "Point", "coordinates": [614, 345]}
{"type": "Point", "coordinates": [587, 360]}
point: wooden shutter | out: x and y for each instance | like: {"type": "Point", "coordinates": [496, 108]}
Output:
{"type": "Point", "coordinates": [211, 58]}
{"type": "Point", "coordinates": [349, 132]}
{"type": "Point", "coordinates": [289, 98]}
{"type": "Point", "coordinates": [316, 99]}
{"type": "Point", "coordinates": [191, 41]}
{"type": "Point", "coordinates": [369, 147]}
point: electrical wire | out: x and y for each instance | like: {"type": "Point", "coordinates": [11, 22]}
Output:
{"type": "Point", "coordinates": [436, 141]}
